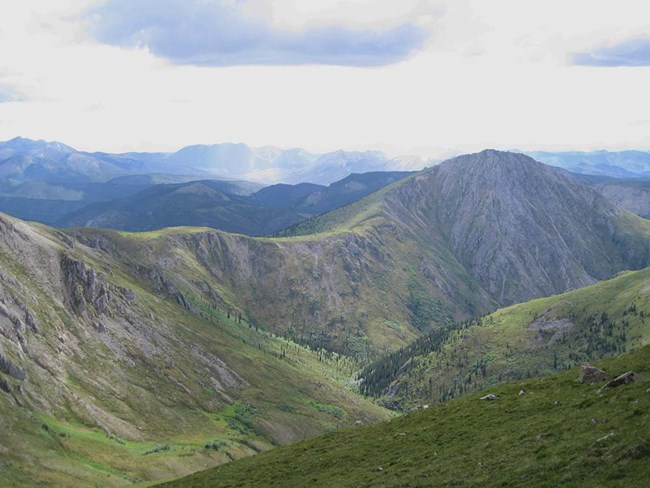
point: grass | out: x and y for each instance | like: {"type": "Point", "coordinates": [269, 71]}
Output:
{"type": "Point", "coordinates": [559, 432]}
{"type": "Point", "coordinates": [508, 345]}
{"type": "Point", "coordinates": [135, 402]}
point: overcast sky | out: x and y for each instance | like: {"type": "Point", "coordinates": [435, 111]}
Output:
{"type": "Point", "coordinates": [421, 77]}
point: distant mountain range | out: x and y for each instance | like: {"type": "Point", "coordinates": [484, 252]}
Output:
{"type": "Point", "coordinates": [227, 205]}
{"type": "Point", "coordinates": [23, 160]}
{"type": "Point", "coordinates": [55, 184]}
{"type": "Point", "coordinates": [617, 164]}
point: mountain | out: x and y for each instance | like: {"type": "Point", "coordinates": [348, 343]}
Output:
{"type": "Point", "coordinates": [456, 241]}
{"type": "Point", "coordinates": [558, 432]}
{"type": "Point", "coordinates": [334, 166]}
{"type": "Point", "coordinates": [230, 206]}
{"type": "Point", "coordinates": [617, 164]}
{"type": "Point", "coordinates": [27, 160]}
{"type": "Point", "coordinates": [311, 199]}
{"type": "Point", "coordinates": [286, 196]}
{"type": "Point", "coordinates": [127, 357]}
{"type": "Point", "coordinates": [632, 195]}
{"type": "Point", "coordinates": [198, 203]}
{"type": "Point", "coordinates": [347, 190]}
{"type": "Point", "coordinates": [242, 161]}
{"type": "Point", "coordinates": [24, 160]}
{"type": "Point", "coordinates": [535, 338]}
{"type": "Point", "coordinates": [110, 375]}
{"type": "Point", "coordinates": [52, 203]}
{"type": "Point", "coordinates": [521, 228]}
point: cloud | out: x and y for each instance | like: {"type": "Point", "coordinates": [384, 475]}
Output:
{"type": "Point", "coordinates": [9, 95]}
{"type": "Point", "coordinates": [635, 52]}
{"type": "Point", "coordinates": [218, 33]}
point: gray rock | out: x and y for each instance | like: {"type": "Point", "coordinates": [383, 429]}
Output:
{"type": "Point", "coordinates": [592, 374]}
{"type": "Point", "coordinates": [624, 379]}
{"type": "Point", "coordinates": [490, 397]}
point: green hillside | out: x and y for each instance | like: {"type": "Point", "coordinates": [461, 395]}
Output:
{"type": "Point", "coordinates": [558, 432]}
{"type": "Point", "coordinates": [529, 339]}
{"type": "Point", "coordinates": [107, 379]}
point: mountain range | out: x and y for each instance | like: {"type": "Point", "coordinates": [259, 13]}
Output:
{"type": "Point", "coordinates": [53, 183]}
{"type": "Point", "coordinates": [225, 205]}
{"type": "Point", "coordinates": [135, 356]}
{"type": "Point", "coordinates": [617, 164]}
{"type": "Point", "coordinates": [24, 160]}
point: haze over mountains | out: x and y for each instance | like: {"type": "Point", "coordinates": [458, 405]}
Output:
{"type": "Point", "coordinates": [25, 160]}
{"type": "Point", "coordinates": [52, 183]}
{"type": "Point", "coordinates": [617, 164]}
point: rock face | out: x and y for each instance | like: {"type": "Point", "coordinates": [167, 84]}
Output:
{"type": "Point", "coordinates": [524, 229]}
{"type": "Point", "coordinates": [630, 195]}
{"type": "Point", "coordinates": [85, 287]}
{"type": "Point", "coordinates": [591, 374]}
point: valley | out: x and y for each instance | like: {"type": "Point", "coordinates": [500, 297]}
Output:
{"type": "Point", "coordinates": [131, 357]}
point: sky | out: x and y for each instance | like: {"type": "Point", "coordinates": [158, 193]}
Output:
{"type": "Point", "coordinates": [423, 77]}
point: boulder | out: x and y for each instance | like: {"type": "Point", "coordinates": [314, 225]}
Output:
{"type": "Point", "coordinates": [490, 397]}
{"type": "Point", "coordinates": [624, 379]}
{"type": "Point", "coordinates": [592, 374]}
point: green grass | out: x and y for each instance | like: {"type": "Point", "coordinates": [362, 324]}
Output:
{"type": "Point", "coordinates": [135, 401]}
{"type": "Point", "coordinates": [508, 344]}
{"type": "Point", "coordinates": [586, 439]}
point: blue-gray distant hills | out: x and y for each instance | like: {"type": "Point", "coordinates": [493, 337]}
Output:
{"type": "Point", "coordinates": [617, 164]}
{"type": "Point", "coordinates": [223, 205]}
{"type": "Point", "coordinates": [226, 186]}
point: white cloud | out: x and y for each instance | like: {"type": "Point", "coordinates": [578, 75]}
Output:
{"type": "Point", "coordinates": [494, 74]}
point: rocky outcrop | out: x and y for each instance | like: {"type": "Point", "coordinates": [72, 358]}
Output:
{"type": "Point", "coordinates": [87, 290]}
{"type": "Point", "coordinates": [11, 369]}
{"type": "Point", "coordinates": [624, 379]}
{"type": "Point", "coordinates": [592, 374]}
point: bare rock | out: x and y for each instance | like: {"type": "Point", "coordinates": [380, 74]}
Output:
{"type": "Point", "coordinates": [624, 379]}
{"type": "Point", "coordinates": [592, 374]}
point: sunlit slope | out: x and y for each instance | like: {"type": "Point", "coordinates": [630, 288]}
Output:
{"type": "Point", "coordinates": [557, 432]}
{"type": "Point", "coordinates": [111, 379]}
{"type": "Point", "coordinates": [529, 339]}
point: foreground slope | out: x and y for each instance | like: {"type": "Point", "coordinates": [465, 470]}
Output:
{"type": "Point", "coordinates": [112, 378]}
{"type": "Point", "coordinates": [558, 432]}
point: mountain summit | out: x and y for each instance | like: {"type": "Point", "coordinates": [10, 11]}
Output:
{"type": "Point", "coordinates": [525, 229]}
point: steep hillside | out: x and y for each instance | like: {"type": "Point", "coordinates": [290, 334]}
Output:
{"type": "Point", "coordinates": [449, 243]}
{"type": "Point", "coordinates": [111, 376]}
{"type": "Point", "coordinates": [539, 432]}
{"type": "Point", "coordinates": [632, 195]}
{"type": "Point", "coordinates": [520, 228]}
{"type": "Point", "coordinates": [347, 190]}
{"type": "Point", "coordinates": [534, 338]}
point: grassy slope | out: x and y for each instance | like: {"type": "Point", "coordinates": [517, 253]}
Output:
{"type": "Point", "coordinates": [125, 413]}
{"type": "Point", "coordinates": [529, 339]}
{"type": "Point", "coordinates": [586, 440]}
{"type": "Point", "coordinates": [356, 280]}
